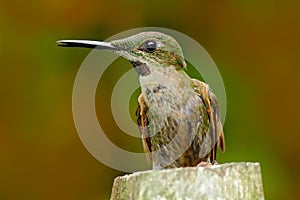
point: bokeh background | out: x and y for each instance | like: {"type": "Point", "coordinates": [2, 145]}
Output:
{"type": "Point", "coordinates": [255, 44]}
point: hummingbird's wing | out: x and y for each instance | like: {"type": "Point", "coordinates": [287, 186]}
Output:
{"type": "Point", "coordinates": [212, 106]}
{"type": "Point", "coordinates": [143, 122]}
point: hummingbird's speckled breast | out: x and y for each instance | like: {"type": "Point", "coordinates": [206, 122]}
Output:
{"type": "Point", "coordinates": [175, 115]}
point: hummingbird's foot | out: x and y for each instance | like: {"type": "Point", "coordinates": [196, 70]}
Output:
{"type": "Point", "coordinates": [204, 164]}
{"type": "Point", "coordinates": [215, 163]}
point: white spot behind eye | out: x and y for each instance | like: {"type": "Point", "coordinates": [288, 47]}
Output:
{"type": "Point", "coordinates": [158, 44]}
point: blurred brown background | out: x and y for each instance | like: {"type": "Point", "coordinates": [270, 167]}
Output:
{"type": "Point", "coordinates": [255, 44]}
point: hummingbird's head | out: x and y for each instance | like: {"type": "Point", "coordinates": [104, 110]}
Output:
{"type": "Point", "coordinates": [151, 48]}
{"type": "Point", "coordinates": [146, 48]}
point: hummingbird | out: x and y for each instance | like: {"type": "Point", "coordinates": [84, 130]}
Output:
{"type": "Point", "coordinates": [178, 116]}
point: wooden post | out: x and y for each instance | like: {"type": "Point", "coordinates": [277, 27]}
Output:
{"type": "Point", "coordinates": [224, 181]}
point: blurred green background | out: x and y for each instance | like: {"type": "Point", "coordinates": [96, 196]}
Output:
{"type": "Point", "coordinates": [255, 44]}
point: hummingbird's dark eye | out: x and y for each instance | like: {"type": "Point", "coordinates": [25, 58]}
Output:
{"type": "Point", "coordinates": [150, 46]}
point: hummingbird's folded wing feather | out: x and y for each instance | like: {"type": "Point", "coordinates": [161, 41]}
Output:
{"type": "Point", "coordinates": [212, 105]}
{"type": "Point", "coordinates": [143, 123]}
{"type": "Point", "coordinates": [218, 125]}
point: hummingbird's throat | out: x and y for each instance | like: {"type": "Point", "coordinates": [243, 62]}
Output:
{"type": "Point", "coordinates": [164, 84]}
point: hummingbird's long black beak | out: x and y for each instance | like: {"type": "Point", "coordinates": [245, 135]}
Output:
{"type": "Point", "coordinates": [87, 44]}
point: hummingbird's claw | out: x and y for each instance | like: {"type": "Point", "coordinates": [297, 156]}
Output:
{"type": "Point", "coordinates": [205, 164]}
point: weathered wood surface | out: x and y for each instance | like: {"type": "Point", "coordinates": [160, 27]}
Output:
{"type": "Point", "coordinates": [225, 181]}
